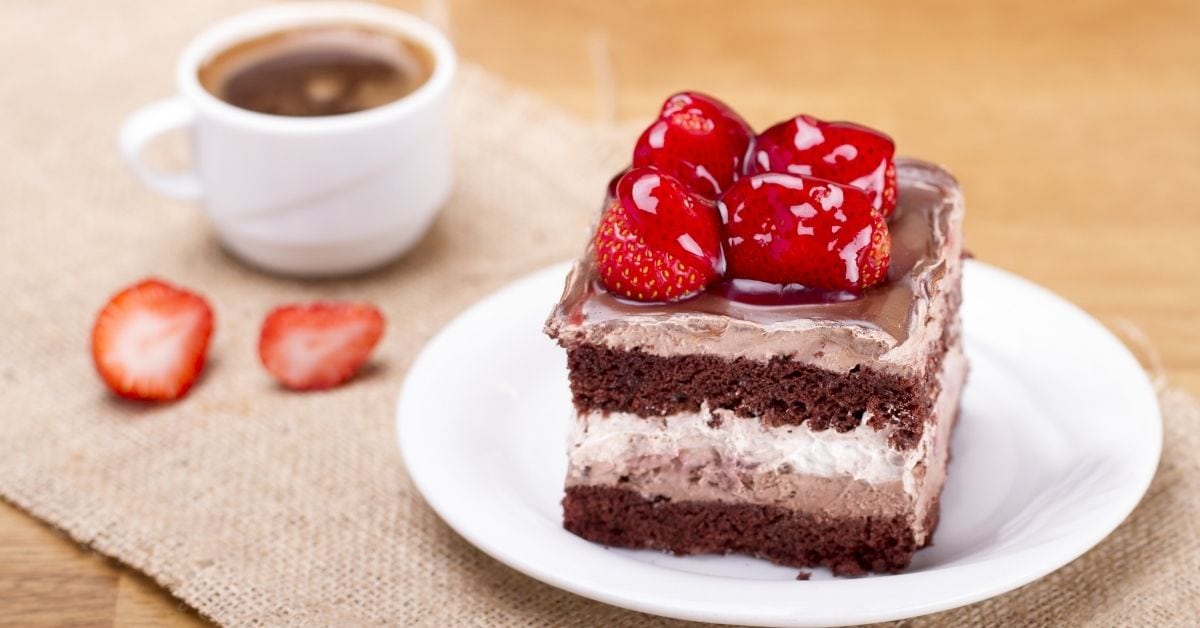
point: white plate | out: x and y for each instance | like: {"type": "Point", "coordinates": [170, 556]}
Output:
{"type": "Point", "coordinates": [1059, 438]}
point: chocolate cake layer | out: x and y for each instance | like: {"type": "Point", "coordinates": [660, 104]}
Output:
{"type": "Point", "coordinates": [779, 391]}
{"type": "Point", "coordinates": [846, 545]}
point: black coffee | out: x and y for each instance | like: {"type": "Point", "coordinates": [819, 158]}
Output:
{"type": "Point", "coordinates": [317, 71]}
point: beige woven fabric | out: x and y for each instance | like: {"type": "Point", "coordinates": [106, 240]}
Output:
{"type": "Point", "coordinates": [258, 506]}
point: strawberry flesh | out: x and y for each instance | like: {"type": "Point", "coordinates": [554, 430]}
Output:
{"type": "Point", "coordinates": [150, 340]}
{"type": "Point", "coordinates": [657, 241]}
{"type": "Point", "coordinates": [795, 229]}
{"type": "Point", "coordinates": [318, 345]}
{"type": "Point", "coordinates": [842, 152]}
{"type": "Point", "coordinates": [698, 140]}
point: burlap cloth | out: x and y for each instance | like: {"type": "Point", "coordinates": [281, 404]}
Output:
{"type": "Point", "coordinates": [257, 506]}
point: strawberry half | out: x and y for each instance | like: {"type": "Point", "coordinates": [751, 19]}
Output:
{"type": "Point", "coordinates": [657, 241]}
{"type": "Point", "coordinates": [842, 152]}
{"type": "Point", "coordinates": [792, 229]}
{"type": "Point", "coordinates": [698, 140]}
{"type": "Point", "coordinates": [318, 345]}
{"type": "Point", "coordinates": [150, 340]}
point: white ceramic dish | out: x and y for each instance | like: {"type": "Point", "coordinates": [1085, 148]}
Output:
{"type": "Point", "coordinates": [1059, 438]}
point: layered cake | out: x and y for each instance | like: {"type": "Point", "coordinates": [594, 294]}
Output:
{"type": "Point", "coordinates": [763, 344]}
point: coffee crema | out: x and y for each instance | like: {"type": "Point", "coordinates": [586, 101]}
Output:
{"type": "Point", "coordinates": [317, 71]}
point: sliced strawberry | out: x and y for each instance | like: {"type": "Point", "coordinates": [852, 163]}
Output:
{"type": "Point", "coordinates": [149, 341]}
{"type": "Point", "coordinates": [793, 229]}
{"type": "Point", "coordinates": [318, 345]}
{"type": "Point", "coordinates": [842, 152]}
{"type": "Point", "coordinates": [657, 241]}
{"type": "Point", "coordinates": [698, 140]}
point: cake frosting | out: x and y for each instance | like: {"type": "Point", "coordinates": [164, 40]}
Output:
{"type": "Point", "coordinates": [613, 444]}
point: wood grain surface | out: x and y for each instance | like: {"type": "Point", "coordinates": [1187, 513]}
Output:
{"type": "Point", "coordinates": [1074, 128]}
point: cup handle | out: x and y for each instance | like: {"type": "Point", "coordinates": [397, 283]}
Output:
{"type": "Point", "coordinates": [144, 125]}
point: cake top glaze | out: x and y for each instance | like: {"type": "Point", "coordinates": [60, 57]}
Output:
{"type": "Point", "coordinates": [760, 321]}
{"type": "Point", "coordinates": [918, 231]}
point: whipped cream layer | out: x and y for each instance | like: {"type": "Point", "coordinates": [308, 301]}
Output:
{"type": "Point", "coordinates": [890, 327]}
{"type": "Point", "coordinates": [714, 455]}
{"type": "Point", "coordinates": [615, 443]}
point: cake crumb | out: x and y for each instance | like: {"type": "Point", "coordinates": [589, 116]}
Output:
{"type": "Point", "coordinates": [804, 575]}
{"type": "Point", "coordinates": [848, 568]}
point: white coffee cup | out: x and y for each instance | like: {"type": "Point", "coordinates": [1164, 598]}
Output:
{"type": "Point", "coordinates": [312, 196]}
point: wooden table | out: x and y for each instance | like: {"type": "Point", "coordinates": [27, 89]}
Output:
{"type": "Point", "coordinates": [1075, 131]}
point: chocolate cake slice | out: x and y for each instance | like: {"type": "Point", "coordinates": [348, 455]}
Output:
{"type": "Point", "coordinates": [809, 428]}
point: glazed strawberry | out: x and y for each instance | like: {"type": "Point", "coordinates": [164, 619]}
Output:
{"type": "Point", "coordinates": [318, 345]}
{"type": "Point", "coordinates": [698, 140]}
{"type": "Point", "coordinates": [657, 241]}
{"type": "Point", "coordinates": [842, 152]}
{"type": "Point", "coordinates": [150, 340]}
{"type": "Point", "coordinates": [794, 229]}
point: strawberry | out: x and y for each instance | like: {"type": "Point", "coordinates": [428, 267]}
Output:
{"type": "Point", "coordinates": [318, 345]}
{"type": "Point", "coordinates": [842, 152]}
{"type": "Point", "coordinates": [149, 341]}
{"type": "Point", "coordinates": [657, 241]}
{"type": "Point", "coordinates": [698, 140]}
{"type": "Point", "coordinates": [789, 229]}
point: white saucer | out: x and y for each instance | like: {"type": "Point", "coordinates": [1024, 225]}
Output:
{"type": "Point", "coordinates": [1059, 438]}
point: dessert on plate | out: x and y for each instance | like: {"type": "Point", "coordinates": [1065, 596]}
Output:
{"type": "Point", "coordinates": [764, 344]}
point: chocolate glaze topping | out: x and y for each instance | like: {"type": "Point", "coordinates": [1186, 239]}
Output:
{"type": "Point", "coordinates": [918, 230]}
